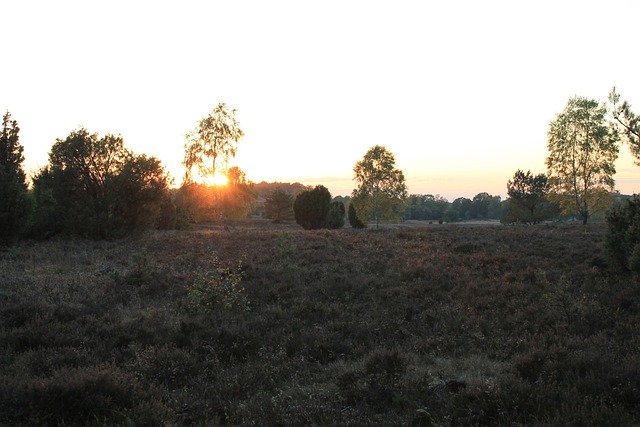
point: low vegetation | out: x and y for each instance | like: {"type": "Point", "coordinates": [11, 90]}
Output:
{"type": "Point", "coordinates": [269, 324]}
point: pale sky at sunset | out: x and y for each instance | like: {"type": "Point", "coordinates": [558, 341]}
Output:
{"type": "Point", "coordinates": [462, 92]}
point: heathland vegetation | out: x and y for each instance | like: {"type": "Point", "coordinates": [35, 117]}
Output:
{"type": "Point", "coordinates": [270, 324]}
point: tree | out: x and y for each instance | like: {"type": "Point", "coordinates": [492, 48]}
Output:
{"type": "Point", "coordinates": [335, 217]}
{"type": "Point", "coordinates": [213, 142]}
{"type": "Point", "coordinates": [94, 187]}
{"type": "Point", "coordinates": [311, 207]}
{"type": "Point", "coordinates": [14, 201]}
{"type": "Point", "coordinates": [278, 205]}
{"type": "Point", "coordinates": [381, 188]}
{"type": "Point", "coordinates": [527, 197]}
{"type": "Point", "coordinates": [582, 155]}
{"type": "Point", "coordinates": [628, 121]}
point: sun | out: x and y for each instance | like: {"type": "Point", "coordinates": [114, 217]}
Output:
{"type": "Point", "coordinates": [217, 180]}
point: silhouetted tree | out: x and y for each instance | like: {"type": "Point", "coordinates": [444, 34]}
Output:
{"type": "Point", "coordinates": [628, 121]}
{"type": "Point", "coordinates": [381, 191]}
{"type": "Point", "coordinates": [582, 154]}
{"type": "Point", "coordinates": [311, 207]}
{"type": "Point", "coordinates": [279, 205]}
{"type": "Point", "coordinates": [14, 201]}
{"type": "Point", "coordinates": [94, 187]}
{"type": "Point", "coordinates": [213, 142]}
{"type": "Point", "coordinates": [335, 218]}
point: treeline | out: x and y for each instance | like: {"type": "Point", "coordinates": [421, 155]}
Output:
{"type": "Point", "coordinates": [428, 207]}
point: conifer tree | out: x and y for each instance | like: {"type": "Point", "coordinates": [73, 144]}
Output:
{"type": "Point", "coordinates": [14, 201]}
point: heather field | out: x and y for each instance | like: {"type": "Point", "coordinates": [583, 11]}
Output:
{"type": "Point", "coordinates": [258, 324]}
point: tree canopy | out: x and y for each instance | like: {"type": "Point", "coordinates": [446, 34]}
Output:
{"type": "Point", "coordinates": [381, 190]}
{"type": "Point", "coordinates": [582, 154]}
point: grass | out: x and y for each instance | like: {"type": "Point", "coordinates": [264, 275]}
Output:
{"type": "Point", "coordinates": [440, 325]}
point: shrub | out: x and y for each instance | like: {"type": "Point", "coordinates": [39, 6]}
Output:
{"type": "Point", "coordinates": [217, 287]}
{"type": "Point", "coordinates": [623, 234]}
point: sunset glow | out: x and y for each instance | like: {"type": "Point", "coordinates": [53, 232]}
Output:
{"type": "Point", "coordinates": [461, 92]}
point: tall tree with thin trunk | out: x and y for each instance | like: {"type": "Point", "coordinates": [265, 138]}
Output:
{"type": "Point", "coordinates": [213, 142]}
{"type": "Point", "coordinates": [582, 154]}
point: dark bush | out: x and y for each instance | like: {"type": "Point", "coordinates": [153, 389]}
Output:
{"type": "Point", "coordinates": [623, 235]}
{"type": "Point", "coordinates": [311, 208]}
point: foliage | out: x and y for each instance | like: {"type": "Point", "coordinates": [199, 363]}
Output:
{"type": "Point", "coordinates": [354, 221]}
{"type": "Point", "coordinates": [217, 287]}
{"type": "Point", "coordinates": [14, 202]}
{"type": "Point", "coordinates": [623, 234]}
{"type": "Point", "coordinates": [582, 154]}
{"type": "Point", "coordinates": [381, 190]}
{"type": "Point", "coordinates": [278, 205]}
{"type": "Point", "coordinates": [213, 142]}
{"type": "Point", "coordinates": [627, 121]}
{"type": "Point", "coordinates": [528, 197]}
{"type": "Point", "coordinates": [311, 207]}
{"type": "Point", "coordinates": [94, 187]}
{"type": "Point", "coordinates": [335, 217]}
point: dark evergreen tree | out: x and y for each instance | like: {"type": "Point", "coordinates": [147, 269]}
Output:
{"type": "Point", "coordinates": [14, 201]}
{"type": "Point", "coordinates": [335, 218]}
{"type": "Point", "coordinates": [311, 208]}
{"type": "Point", "coordinates": [354, 221]}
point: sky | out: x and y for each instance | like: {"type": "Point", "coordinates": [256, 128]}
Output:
{"type": "Point", "coordinates": [462, 92]}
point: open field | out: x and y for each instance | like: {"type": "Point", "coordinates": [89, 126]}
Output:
{"type": "Point", "coordinates": [436, 325]}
